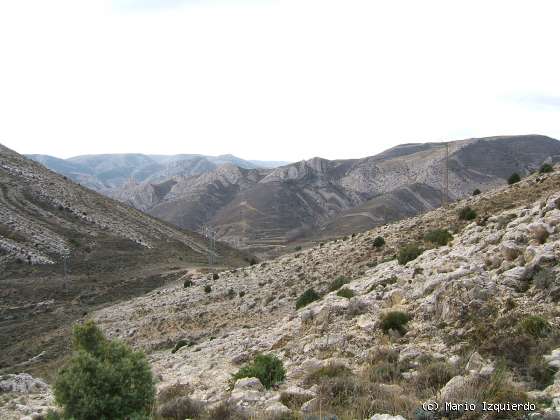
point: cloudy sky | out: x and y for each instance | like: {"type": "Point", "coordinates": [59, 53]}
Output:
{"type": "Point", "coordinates": [273, 79]}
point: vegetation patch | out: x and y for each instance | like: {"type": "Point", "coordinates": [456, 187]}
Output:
{"type": "Point", "coordinates": [409, 253]}
{"type": "Point", "coordinates": [306, 298]}
{"type": "Point", "coordinates": [267, 367]}
{"type": "Point", "coordinates": [535, 325]}
{"type": "Point", "coordinates": [329, 372]}
{"type": "Point", "coordinates": [345, 293]}
{"type": "Point", "coordinates": [546, 168]}
{"type": "Point", "coordinates": [181, 343]}
{"type": "Point", "coordinates": [514, 178]}
{"type": "Point", "coordinates": [104, 379]}
{"type": "Point", "coordinates": [439, 237]}
{"type": "Point", "coordinates": [467, 213]}
{"type": "Point", "coordinates": [394, 320]}
{"type": "Point", "coordinates": [378, 242]}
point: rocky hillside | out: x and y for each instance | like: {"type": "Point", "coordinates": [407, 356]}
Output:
{"type": "Point", "coordinates": [65, 250]}
{"type": "Point", "coordinates": [320, 199]}
{"type": "Point", "coordinates": [471, 321]}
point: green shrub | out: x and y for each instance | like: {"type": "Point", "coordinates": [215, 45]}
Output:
{"type": "Point", "coordinates": [297, 248]}
{"type": "Point", "coordinates": [267, 367]}
{"type": "Point", "coordinates": [179, 344]}
{"type": "Point", "coordinates": [514, 178]}
{"type": "Point", "coordinates": [408, 253]}
{"type": "Point", "coordinates": [187, 283]}
{"type": "Point", "coordinates": [546, 168]}
{"type": "Point", "coordinates": [438, 236]}
{"type": "Point", "coordinates": [467, 213]}
{"type": "Point", "coordinates": [104, 379]}
{"type": "Point", "coordinates": [338, 283]}
{"type": "Point", "coordinates": [207, 288]}
{"type": "Point", "coordinates": [345, 293]}
{"type": "Point", "coordinates": [306, 298]}
{"type": "Point", "coordinates": [395, 320]}
{"type": "Point", "coordinates": [231, 293]}
{"type": "Point", "coordinates": [476, 192]}
{"type": "Point", "coordinates": [535, 325]}
{"type": "Point", "coordinates": [378, 242]}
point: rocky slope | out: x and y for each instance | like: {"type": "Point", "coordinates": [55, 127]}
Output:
{"type": "Point", "coordinates": [483, 319]}
{"type": "Point", "coordinates": [65, 250]}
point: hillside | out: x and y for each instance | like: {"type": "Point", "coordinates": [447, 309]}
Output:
{"type": "Point", "coordinates": [65, 250]}
{"type": "Point", "coordinates": [318, 199]}
{"type": "Point", "coordinates": [483, 320]}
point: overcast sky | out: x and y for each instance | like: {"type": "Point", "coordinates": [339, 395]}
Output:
{"type": "Point", "coordinates": [276, 80]}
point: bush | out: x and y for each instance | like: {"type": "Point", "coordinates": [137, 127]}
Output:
{"type": "Point", "coordinates": [338, 283]}
{"type": "Point", "coordinates": [395, 320]}
{"type": "Point", "coordinates": [535, 325]}
{"type": "Point", "coordinates": [514, 178]}
{"type": "Point", "coordinates": [476, 192]}
{"type": "Point", "coordinates": [378, 242]}
{"type": "Point", "coordinates": [231, 293]}
{"type": "Point", "coordinates": [297, 248]}
{"type": "Point", "coordinates": [104, 379]}
{"type": "Point", "coordinates": [467, 213]}
{"type": "Point", "coordinates": [345, 293]}
{"type": "Point", "coordinates": [409, 253]}
{"type": "Point", "coordinates": [306, 298]}
{"type": "Point", "coordinates": [187, 283]}
{"type": "Point", "coordinates": [207, 288]}
{"type": "Point", "coordinates": [267, 367]}
{"type": "Point", "coordinates": [439, 237]}
{"type": "Point", "coordinates": [179, 344]}
{"type": "Point", "coordinates": [545, 278]}
{"type": "Point", "coordinates": [546, 168]}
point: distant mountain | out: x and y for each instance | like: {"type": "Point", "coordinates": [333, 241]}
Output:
{"type": "Point", "coordinates": [320, 198]}
{"type": "Point", "coordinates": [106, 172]}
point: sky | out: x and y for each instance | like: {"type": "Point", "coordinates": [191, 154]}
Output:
{"type": "Point", "coordinates": [273, 79]}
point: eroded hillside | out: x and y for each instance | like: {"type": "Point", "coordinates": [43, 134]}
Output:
{"type": "Point", "coordinates": [481, 317]}
{"type": "Point", "coordinates": [66, 250]}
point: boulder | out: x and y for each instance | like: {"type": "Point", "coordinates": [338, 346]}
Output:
{"type": "Point", "coordinates": [386, 417]}
{"type": "Point", "coordinates": [510, 250]}
{"type": "Point", "coordinates": [22, 383]}
{"type": "Point", "coordinates": [277, 409]}
{"type": "Point", "coordinates": [248, 384]}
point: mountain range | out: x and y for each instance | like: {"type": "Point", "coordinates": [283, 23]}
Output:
{"type": "Point", "coordinates": [267, 208]}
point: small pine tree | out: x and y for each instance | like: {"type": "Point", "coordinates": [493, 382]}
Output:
{"type": "Point", "coordinates": [378, 242]}
{"type": "Point", "coordinates": [546, 168]}
{"type": "Point", "coordinates": [514, 178]}
{"type": "Point", "coordinates": [104, 379]}
{"type": "Point", "coordinates": [476, 192]}
{"type": "Point", "coordinates": [267, 367]}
